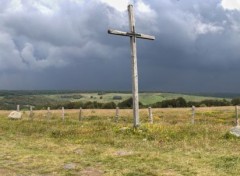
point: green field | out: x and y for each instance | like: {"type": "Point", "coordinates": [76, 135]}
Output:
{"type": "Point", "coordinates": [97, 146]}
{"type": "Point", "coordinates": [150, 98]}
{"type": "Point", "coordinates": [145, 98]}
{"type": "Point", "coordinates": [108, 97]}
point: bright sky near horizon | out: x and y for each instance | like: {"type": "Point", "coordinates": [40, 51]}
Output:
{"type": "Point", "coordinates": [231, 4]}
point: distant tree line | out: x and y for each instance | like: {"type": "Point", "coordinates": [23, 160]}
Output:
{"type": "Point", "coordinates": [181, 102]}
{"type": "Point", "coordinates": [235, 101]}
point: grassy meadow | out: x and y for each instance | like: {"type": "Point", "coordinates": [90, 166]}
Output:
{"type": "Point", "coordinates": [98, 146]}
{"type": "Point", "coordinates": [145, 98]}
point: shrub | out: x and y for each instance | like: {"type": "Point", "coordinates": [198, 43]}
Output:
{"type": "Point", "coordinates": [235, 101]}
{"type": "Point", "coordinates": [128, 104]}
{"type": "Point", "coordinates": [117, 98]}
{"type": "Point", "coordinates": [110, 105]}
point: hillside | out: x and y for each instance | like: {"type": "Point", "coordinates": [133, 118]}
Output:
{"type": "Point", "coordinates": [9, 99]}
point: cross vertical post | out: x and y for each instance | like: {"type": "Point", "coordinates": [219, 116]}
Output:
{"type": "Point", "coordinates": [134, 67]}
{"type": "Point", "coordinates": [133, 36]}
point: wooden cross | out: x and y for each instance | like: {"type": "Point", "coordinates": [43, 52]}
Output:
{"type": "Point", "coordinates": [133, 35]}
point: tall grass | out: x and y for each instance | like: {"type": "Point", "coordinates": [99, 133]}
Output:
{"type": "Point", "coordinates": [98, 145]}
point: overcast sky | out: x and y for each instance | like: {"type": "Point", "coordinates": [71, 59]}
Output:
{"type": "Point", "coordinates": [63, 44]}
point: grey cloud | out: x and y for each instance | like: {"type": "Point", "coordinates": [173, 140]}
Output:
{"type": "Point", "coordinates": [67, 31]}
{"type": "Point", "coordinates": [196, 47]}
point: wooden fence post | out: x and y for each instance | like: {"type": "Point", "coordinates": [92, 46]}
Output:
{"type": "Point", "coordinates": [237, 121]}
{"type": "Point", "coordinates": [150, 116]}
{"type": "Point", "coordinates": [80, 114]}
{"type": "Point", "coordinates": [48, 113]}
{"type": "Point", "coordinates": [193, 114]}
{"type": "Point", "coordinates": [31, 112]}
{"type": "Point", "coordinates": [63, 114]}
{"type": "Point", "coordinates": [117, 114]}
{"type": "Point", "coordinates": [18, 108]}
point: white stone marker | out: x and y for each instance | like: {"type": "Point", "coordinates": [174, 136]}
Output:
{"type": "Point", "coordinates": [193, 114]}
{"type": "Point", "coordinates": [133, 35]}
{"type": "Point", "coordinates": [150, 116]}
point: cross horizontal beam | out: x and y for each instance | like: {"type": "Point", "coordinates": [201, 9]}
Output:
{"type": "Point", "coordinates": [130, 34]}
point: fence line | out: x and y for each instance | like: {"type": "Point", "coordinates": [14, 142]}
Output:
{"type": "Point", "coordinates": [194, 115]}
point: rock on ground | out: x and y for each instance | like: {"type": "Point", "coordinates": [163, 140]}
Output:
{"type": "Point", "coordinates": [123, 153]}
{"type": "Point", "coordinates": [235, 131]}
{"type": "Point", "coordinates": [91, 172]}
{"type": "Point", "coordinates": [15, 115]}
{"type": "Point", "coordinates": [70, 166]}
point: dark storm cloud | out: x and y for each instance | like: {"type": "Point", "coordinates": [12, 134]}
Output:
{"type": "Point", "coordinates": [64, 45]}
{"type": "Point", "coordinates": [196, 48]}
